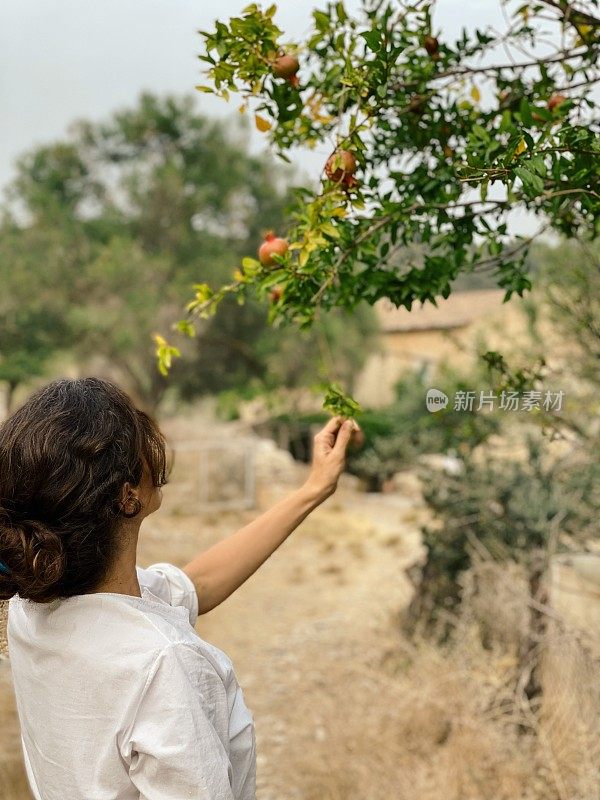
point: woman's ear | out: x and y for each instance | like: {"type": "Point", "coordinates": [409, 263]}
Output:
{"type": "Point", "coordinates": [129, 502]}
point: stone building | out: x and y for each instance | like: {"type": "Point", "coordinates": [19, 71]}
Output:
{"type": "Point", "coordinates": [429, 335]}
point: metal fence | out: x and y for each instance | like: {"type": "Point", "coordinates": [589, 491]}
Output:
{"type": "Point", "coordinates": [212, 475]}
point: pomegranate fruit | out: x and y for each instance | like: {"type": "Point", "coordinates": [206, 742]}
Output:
{"type": "Point", "coordinates": [275, 294]}
{"type": "Point", "coordinates": [431, 44]}
{"type": "Point", "coordinates": [555, 101]}
{"type": "Point", "coordinates": [340, 165]}
{"type": "Point", "coordinates": [271, 246]}
{"type": "Point", "coordinates": [285, 66]}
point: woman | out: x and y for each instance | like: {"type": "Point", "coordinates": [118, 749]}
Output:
{"type": "Point", "coordinates": [118, 697]}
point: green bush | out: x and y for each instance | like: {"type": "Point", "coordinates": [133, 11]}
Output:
{"type": "Point", "coordinates": [506, 509]}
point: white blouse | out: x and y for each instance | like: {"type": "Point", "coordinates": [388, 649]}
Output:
{"type": "Point", "coordinates": [120, 699]}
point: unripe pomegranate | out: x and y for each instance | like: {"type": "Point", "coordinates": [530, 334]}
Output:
{"type": "Point", "coordinates": [555, 101]}
{"type": "Point", "coordinates": [285, 66]}
{"type": "Point", "coordinates": [271, 246]}
{"type": "Point", "coordinates": [431, 44]}
{"type": "Point", "coordinates": [275, 294]}
{"type": "Point", "coordinates": [341, 164]}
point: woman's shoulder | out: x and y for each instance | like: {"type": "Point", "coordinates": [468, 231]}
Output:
{"type": "Point", "coordinates": [100, 625]}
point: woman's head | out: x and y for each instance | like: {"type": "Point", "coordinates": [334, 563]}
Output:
{"type": "Point", "coordinates": [77, 461]}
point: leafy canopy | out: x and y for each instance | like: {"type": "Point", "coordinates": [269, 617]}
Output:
{"type": "Point", "coordinates": [449, 137]}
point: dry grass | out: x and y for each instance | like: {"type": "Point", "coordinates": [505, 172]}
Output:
{"type": "Point", "coordinates": [443, 722]}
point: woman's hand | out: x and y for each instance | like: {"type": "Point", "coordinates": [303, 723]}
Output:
{"type": "Point", "coordinates": [329, 454]}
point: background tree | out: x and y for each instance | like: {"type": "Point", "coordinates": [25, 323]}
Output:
{"type": "Point", "coordinates": [434, 143]}
{"type": "Point", "coordinates": [138, 208]}
{"type": "Point", "coordinates": [33, 328]}
{"type": "Point", "coordinates": [571, 276]}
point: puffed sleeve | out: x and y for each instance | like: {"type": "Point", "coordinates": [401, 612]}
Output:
{"type": "Point", "coordinates": [175, 751]}
{"type": "Point", "coordinates": [172, 585]}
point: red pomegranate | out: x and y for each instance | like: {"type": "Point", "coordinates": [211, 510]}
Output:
{"type": "Point", "coordinates": [340, 165]}
{"type": "Point", "coordinates": [271, 246]}
{"type": "Point", "coordinates": [431, 44]}
{"type": "Point", "coordinates": [285, 66]}
{"type": "Point", "coordinates": [555, 101]}
{"type": "Point", "coordinates": [275, 294]}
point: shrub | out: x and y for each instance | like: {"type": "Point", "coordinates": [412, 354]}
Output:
{"type": "Point", "coordinates": [506, 509]}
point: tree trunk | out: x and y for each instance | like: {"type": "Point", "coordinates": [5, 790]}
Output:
{"type": "Point", "coordinates": [530, 652]}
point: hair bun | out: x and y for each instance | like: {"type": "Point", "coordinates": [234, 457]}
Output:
{"type": "Point", "coordinates": [35, 555]}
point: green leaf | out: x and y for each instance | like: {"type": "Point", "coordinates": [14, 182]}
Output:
{"type": "Point", "coordinates": [373, 39]}
{"type": "Point", "coordinates": [321, 21]}
{"type": "Point", "coordinates": [506, 122]}
{"type": "Point", "coordinates": [186, 327]}
{"type": "Point", "coordinates": [525, 112]}
{"type": "Point", "coordinates": [165, 354]}
{"type": "Point", "coordinates": [339, 403]}
{"type": "Point", "coordinates": [531, 183]}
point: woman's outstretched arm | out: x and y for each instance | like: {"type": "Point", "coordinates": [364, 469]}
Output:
{"type": "Point", "coordinates": [220, 570]}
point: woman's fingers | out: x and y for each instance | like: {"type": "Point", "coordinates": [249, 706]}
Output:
{"type": "Point", "coordinates": [326, 435]}
{"type": "Point", "coordinates": [329, 453]}
{"type": "Point", "coordinates": [335, 436]}
{"type": "Point", "coordinates": [343, 437]}
{"type": "Point", "coordinates": [331, 427]}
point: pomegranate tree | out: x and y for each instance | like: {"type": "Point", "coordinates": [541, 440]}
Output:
{"type": "Point", "coordinates": [382, 85]}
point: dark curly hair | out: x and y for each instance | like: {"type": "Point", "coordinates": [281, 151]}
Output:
{"type": "Point", "coordinates": [64, 458]}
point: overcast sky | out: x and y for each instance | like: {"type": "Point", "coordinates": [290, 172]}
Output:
{"type": "Point", "coordinates": [62, 60]}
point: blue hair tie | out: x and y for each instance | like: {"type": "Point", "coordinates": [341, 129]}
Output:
{"type": "Point", "coordinates": [4, 568]}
